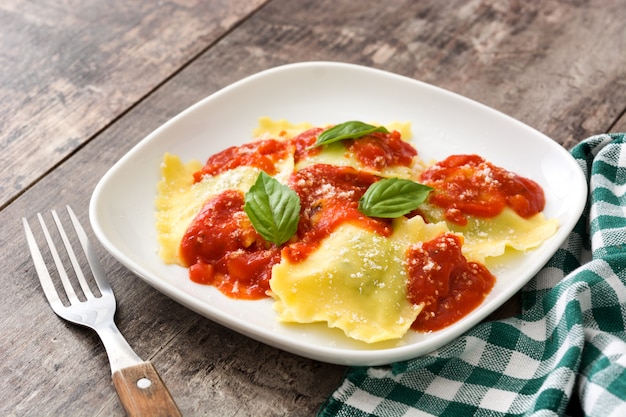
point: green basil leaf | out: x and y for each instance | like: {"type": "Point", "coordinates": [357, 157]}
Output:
{"type": "Point", "coordinates": [273, 209]}
{"type": "Point", "coordinates": [393, 197]}
{"type": "Point", "coordinates": [347, 130]}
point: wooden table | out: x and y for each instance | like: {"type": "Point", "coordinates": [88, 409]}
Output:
{"type": "Point", "coordinates": [83, 82]}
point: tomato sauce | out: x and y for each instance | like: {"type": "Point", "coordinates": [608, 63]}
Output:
{"type": "Point", "coordinates": [304, 144]}
{"type": "Point", "coordinates": [329, 196]}
{"type": "Point", "coordinates": [263, 154]}
{"type": "Point", "coordinates": [469, 185]}
{"type": "Point", "coordinates": [222, 249]}
{"type": "Point", "coordinates": [381, 150]}
{"type": "Point", "coordinates": [442, 279]}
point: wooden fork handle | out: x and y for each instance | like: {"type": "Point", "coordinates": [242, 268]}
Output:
{"type": "Point", "coordinates": [143, 393]}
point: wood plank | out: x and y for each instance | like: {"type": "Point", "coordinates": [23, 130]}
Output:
{"type": "Point", "coordinates": [527, 60]}
{"type": "Point", "coordinates": [70, 68]}
{"type": "Point", "coordinates": [558, 67]}
{"type": "Point", "coordinates": [620, 125]}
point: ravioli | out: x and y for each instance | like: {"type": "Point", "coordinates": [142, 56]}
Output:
{"type": "Point", "coordinates": [356, 281]}
{"type": "Point", "coordinates": [335, 154]}
{"type": "Point", "coordinates": [268, 128]}
{"type": "Point", "coordinates": [490, 238]}
{"type": "Point", "coordinates": [180, 199]}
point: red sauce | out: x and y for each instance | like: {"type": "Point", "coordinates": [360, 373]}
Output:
{"type": "Point", "coordinates": [222, 249]}
{"type": "Point", "coordinates": [377, 150]}
{"type": "Point", "coordinates": [469, 185]}
{"type": "Point", "coordinates": [329, 196]}
{"type": "Point", "coordinates": [262, 154]}
{"type": "Point", "coordinates": [442, 279]}
{"type": "Point", "coordinates": [305, 144]}
{"type": "Point", "coordinates": [380, 150]}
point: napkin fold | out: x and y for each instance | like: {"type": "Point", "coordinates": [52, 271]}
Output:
{"type": "Point", "coordinates": [565, 353]}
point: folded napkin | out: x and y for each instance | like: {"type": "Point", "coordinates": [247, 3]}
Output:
{"type": "Point", "coordinates": [565, 354]}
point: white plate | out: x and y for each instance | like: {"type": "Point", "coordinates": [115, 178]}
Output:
{"type": "Point", "coordinates": [122, 205]}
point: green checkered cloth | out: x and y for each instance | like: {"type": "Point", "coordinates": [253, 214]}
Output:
{"type": "Point", "coordinates": [564, 354]}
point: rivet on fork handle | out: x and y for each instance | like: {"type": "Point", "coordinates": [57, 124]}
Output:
{"type": "Point", "coordinates": [143, 393]}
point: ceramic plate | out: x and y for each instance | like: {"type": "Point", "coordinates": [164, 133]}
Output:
{"type": "Point", "coordinates": [443, 123]}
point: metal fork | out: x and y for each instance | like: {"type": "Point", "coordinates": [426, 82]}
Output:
{"type": "Point", "coordinates": [139, 386]}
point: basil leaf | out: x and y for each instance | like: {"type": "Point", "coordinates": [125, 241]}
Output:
{"type": "Point", "coordinates": [273, 209]}
{"type": "Point", "coordinates": [347, 130]}
{"type": "Point", "coordinates": [393, 197]}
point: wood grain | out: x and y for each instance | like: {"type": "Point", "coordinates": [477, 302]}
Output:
{"type": "Point", "coordinates": [554, 65]}
{"type": "Point", "coordinates": [540, 62]}
{"type": "Point", "coordinates": [70, 68]}
{"type": "Point", "coordinates": [620, 125]}
{"type": "Point", "coordinates": [143, 393]}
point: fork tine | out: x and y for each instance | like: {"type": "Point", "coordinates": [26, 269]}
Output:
{"type": "Point", "coordinates": [94, 263]}
{"type": "Point", "coordinates": [67, 285]}
{"type": "Point", "coordinates": [74, 261]}
{"type": "Point", "coordinates": [40, 266]}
